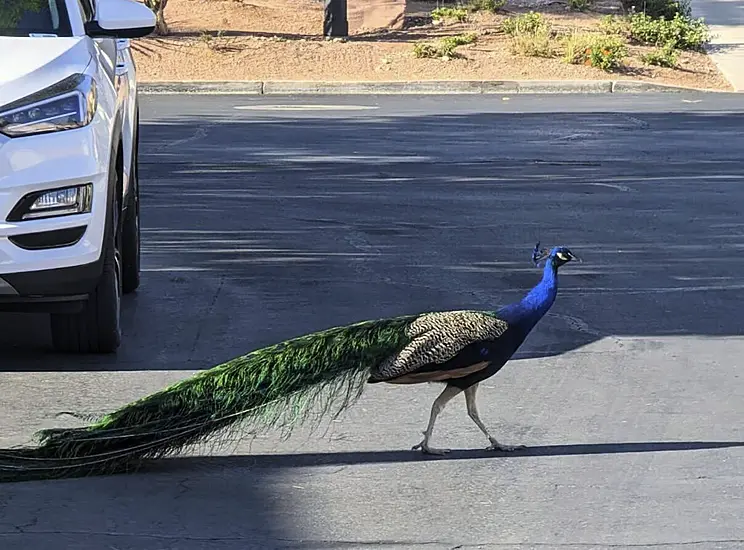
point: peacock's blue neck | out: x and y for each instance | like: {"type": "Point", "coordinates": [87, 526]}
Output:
{"type": "Point", "coordinates": [530, 309]}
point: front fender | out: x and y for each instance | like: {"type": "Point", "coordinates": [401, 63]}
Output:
{"type": "Point", "coordinates": [126, 105]}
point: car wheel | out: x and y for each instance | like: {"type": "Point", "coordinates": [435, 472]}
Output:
{"type": "Point", "coordinates": [130, 231]}
{"type": "Point", "coordinates": [97, 328]}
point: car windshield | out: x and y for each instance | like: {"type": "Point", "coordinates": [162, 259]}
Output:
{"type": "Point", "coordinates": [34, 17]}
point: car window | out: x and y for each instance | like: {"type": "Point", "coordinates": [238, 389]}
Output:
{"type": "Point", "coordinates": [31, 17]}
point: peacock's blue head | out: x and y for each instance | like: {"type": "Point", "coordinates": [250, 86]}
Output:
{"type": "Point", "coordinates": [557, 256]}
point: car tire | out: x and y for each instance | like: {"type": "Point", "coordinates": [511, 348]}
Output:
{"type": "Point", "coordinates": [130, 231]}
{"type": "Point", "coordinates": [97, 328]}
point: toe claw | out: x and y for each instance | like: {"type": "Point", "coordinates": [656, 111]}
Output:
{"type": "Point", "coordinates": [429, 450]}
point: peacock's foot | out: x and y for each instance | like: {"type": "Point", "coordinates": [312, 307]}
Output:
{"type": "Point", "coordinates": [496, 446]}
{"type": "Point", "coordinates": [424, 446]}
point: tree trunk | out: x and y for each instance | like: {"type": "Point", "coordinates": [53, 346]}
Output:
{"type": "Point", "coordinates": [335, 22]}
{"type": "Point", "coordinates": [161, 27]}
{"type": "Point", "coordinates": [158, 6]}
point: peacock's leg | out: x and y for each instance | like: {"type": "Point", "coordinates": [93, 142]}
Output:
{"type": "Point", "coordinates": [437, 407]}
{"type": "Point", "coordinates": [473, 414]}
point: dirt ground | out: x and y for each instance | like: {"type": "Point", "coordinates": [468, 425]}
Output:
{"type": "Point", "coordinates": [282, 40]}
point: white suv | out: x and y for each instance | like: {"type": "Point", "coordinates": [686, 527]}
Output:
{"type": "Point", "coordinates": [69, 193]}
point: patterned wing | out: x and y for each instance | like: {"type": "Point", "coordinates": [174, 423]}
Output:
{"type": "Point", "coordinates": [438, 337]}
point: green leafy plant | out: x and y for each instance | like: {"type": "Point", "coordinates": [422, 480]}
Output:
{"type": "Point", "coordinates": [666, 56]}
{"type": "Point", "coordinates": [612, 24]}
{"type": "Point", "coordinates": [445, 48]}
{"type": "Point", "coordinates": [579, 5]}
{"type": "Point", "coordinates": [450, 43]}
{"type": "Point", "coordinates": [575, 46]}
{"type": "Point", "coordinates": [532, 36]}
{"type": "Point", "coordinates": [658, 8]}
{"type": "Point", "coordinates": [663, 8]}
{"type": "Point", "coordinates": [602, 52]}
{"type": "Point", "coordinates": [526, 23]}
{"type": "Point", "coordinates": [684, 33]}
{"type": "Point", "coordinates": [538, 43]}
{"type": "Point", "coordinates": [423, 50]}
{"type": "Point", "coordinates": [445, 13]}
{"type": "Point", "coordinates": [607, 53]}
{"type": "Point", "coordinates": [486, 5]}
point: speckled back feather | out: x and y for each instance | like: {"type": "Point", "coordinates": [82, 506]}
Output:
{"type": "Point", "coordinates": [436, 338]}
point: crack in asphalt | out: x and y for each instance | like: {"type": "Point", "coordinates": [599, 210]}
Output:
{"type": "Point", "coordinates": [341, 543]}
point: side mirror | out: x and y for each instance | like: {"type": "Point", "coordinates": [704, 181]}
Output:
{"type": "Point", "coordinates": [121, 19]}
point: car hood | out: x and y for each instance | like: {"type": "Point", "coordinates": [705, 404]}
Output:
{"type": "Point", "coordinates": [36, 63]}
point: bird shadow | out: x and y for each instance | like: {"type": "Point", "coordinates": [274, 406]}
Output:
{"type": "Point", "coordinates": [308, 460]}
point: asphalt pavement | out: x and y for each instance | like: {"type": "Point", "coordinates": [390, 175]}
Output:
{"type": "Point", "coordinates": [266, 217]}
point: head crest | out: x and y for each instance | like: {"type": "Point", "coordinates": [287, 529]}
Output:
{"type": "Point", "coordinates": [538, 255]}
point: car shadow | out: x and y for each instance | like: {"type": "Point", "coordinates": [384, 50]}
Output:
{"type": "Point", "coordinates": [272, 228]}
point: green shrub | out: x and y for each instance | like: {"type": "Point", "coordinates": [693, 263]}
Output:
{"type": "Point", "coordinates": [612, 24]}
{"type": "Point", "coordinates": [684, 33]}
{"type": "Point", "coordinates": [575, 46]}
{"type": "Point", "coordinates": [425, 50]}
{"type": "Point", "coordinates": [666, 56]}
{"type": "Point", "coordinates": [486, 5]}
{"type": "Point", "coordinates": [607, 53]}
{"type": "Point", "coordinates": [526, 23]}
{"type": "Point", "coordinates": [531, 35]}
{"type": "Point", "coordinates": [664, 8]}
{"type": "Point", "coordinates": [538, 43]}
{"type": "Point", "coordinates": [449, 43]}
{"type": "Point", "coordinates": [602, 52]}
{"type": "Point", "coordinates": [442, 14]}
{"type": "Point", "coordinates": [446, 47]}
{"type": "Point", "coordinates": [579, 5]}
{"type": "Point", "coordinates": [659, 8]}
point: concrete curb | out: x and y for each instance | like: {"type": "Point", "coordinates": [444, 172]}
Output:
{"type": "Point", "coordinates": [424, 87]}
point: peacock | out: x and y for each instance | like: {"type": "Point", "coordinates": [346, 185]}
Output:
{"type": "Point", "coordinates": [278, 385]}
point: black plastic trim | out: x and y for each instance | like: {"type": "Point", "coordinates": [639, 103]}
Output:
{"type": "Point", "coordinates": [56, 304]}
{"type": "Point", "coordinates": [64, 281]}
{"type": "Point", "coordinates": [45, 240]}
{"type": "Point", "coordinates": [94, 30]}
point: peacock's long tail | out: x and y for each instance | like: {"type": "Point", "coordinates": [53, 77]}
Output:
{"type": "Point", "coordinates": [276, 386]}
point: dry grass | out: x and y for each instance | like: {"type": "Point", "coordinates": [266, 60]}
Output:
{"type": "Point", "coordinates": [281, 40]}
{"type": "Point", "coordinates": [539, 43]}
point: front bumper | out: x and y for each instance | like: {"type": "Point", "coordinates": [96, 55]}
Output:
{"type": "Point", "coordinates": [53, 259]}
{"type": "Point", "coordinates": [64, 289]}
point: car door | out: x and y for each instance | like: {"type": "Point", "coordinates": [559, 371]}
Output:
{"type": "Point", "coordinates": [106, 48]}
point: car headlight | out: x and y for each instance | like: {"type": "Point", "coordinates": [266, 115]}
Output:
{"type": "Point", "coordinates": [69, 104]}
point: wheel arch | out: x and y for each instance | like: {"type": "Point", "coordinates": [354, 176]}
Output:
{"type": "Point", "coordinates": [115, 165]}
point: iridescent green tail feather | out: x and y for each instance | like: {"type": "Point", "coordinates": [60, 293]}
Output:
{"type": "Point", "coordinates": [275, 386]}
